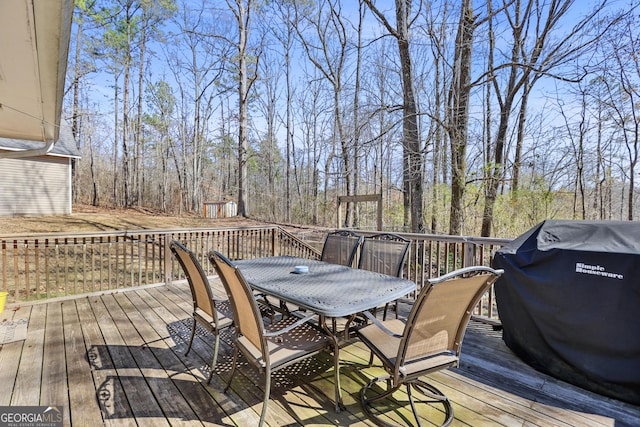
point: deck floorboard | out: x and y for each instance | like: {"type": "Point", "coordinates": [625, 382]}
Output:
{"type": "Point", "coordinates": [117, 359]}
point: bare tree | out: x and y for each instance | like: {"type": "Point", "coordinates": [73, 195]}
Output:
{"type": "Point", "coordinates": [269, 155]}
{"type": "Point", "coordinates": [338, 95]}
{"type": "Point", "coordinates": [412, 145]}
{"type": "Point", "coordinates": [622, 80]}
{"type": "Point", "coordinates": [197, 63]}
{"type": "Point", "coordinates": [83, 65]}
{"type": "Point", "coordinates": [162, 105]}
{"type": "Point", "coordinates": [285, 37]}
{"type": "Point", "coordinates": [381, 128]}
{"type": "Point", "coordinates": [535, 52]}
{"type": "Point", "coordinates": [577, 136]}
{"type": "Point", "coordinates": [356, 110]}
{"type": "Point", "coordinates": [597, 91]}
{"type": "Point", "coordinates": [314, 114]}
{"type": "Point", "coordinates": [457, 114]}
{"type": "Point", "coordinates": [152, 14]}
{"type": "Point", "coordinates": [326, 48]}
{"type": "Point", "coordinates": [247, 74]}
{"type": "Point", "coordinates": [458, 102]}
{"type": "Point", "coordinates": [437, 30]}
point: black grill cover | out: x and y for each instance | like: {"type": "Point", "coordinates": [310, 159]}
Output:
{"type": "Point", "coordinates": [569, 302]}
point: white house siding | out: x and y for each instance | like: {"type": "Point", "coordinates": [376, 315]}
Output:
{"type": "Point", "coordinates": [35, 186]}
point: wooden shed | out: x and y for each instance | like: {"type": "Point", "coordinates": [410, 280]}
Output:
{"type": "Point", "coordinates": [219, 209]}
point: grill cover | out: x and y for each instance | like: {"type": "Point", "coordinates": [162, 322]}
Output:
{"type": "Point", "coordinates": [569, 302]}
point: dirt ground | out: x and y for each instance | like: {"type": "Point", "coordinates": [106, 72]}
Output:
{"type": "Point", "coordinates": [91, 219]}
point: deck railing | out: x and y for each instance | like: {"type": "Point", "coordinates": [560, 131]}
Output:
{"type": "Point", "coordinates": [432, 255]}
{"type": "Point", "coordinates": [43, 266]}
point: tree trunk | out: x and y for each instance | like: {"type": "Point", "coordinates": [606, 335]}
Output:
{"type": "Point", "coordinates": [411, 135]}
{"type": "Point", "coordinates": [495, 174]}
{"type": "Point", "coordinates": [75, 114]}
{"type": "Point", "coordinates": [356, 114]}
{"type": "Point", "coordinates": [243, 126]}
{"type": "Point", "coordinates": [458, 114]}
{"type": "Point", "coordinates": [138, 138]}
{"type": "Point", "coordinates": [289, 119]}
{"type": "Point", "coordinates": [517, 160]}
{"type": "Point", "coordinates": [116, 160]}
{"type": "Point", "coordinates": [411, 145]}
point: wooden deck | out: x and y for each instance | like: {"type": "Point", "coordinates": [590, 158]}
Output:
{"type": "Point", "coordinates": [118, 359]}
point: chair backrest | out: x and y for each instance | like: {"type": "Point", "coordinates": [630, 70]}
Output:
{"type": "Point", "coordinates": [197, 278]}
{"type": "Point", "coordinates": [340, 247]}
{"type": "Point", "coordinates": [439, 317]}
{"type": "Point", "coordinates": [384, 253]}
{"type": "Point", "coordinates": [245, 309]}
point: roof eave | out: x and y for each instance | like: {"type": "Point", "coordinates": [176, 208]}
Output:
{"type": "Point", "coordinates": [33, 64]}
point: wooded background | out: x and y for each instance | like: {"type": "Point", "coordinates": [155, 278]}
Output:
{"type": "Point", "coordinates": [470, 118]}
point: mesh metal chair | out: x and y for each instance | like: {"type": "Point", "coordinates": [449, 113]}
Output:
{"type": "Point", "coordinates": [340, 247]}
{"type": "Point", "coordinates": [384, 253]}
{"type": "Point", "coordinates": [429, 341]}
{"type": "Point", "coordinates": [283, 343]}
{"type": "Point", "coordinates": [206, 307]}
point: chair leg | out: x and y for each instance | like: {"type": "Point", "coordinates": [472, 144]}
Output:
{"type": "Point", "coordinates": [233, 367]}
{"type": "Point", "coordinates": [284, 309]}
{"type": "Point", "coordinates": [384, 313]}
{"type": "Point", "coordinates": [436, 396]}
{"type": "Point", "coordinates": [193, 334]}
{"type": "Point", "coordinates": [413, 405]}
{"type": "Point", "coordinates": [428, 390]}
{"type": "Point", "coordinates": [386, 309]}
{"type": "Point", "coordinates": [266, 309]}
{"type": "Point", "coordinates": [386, 393]}
{"type": "Point", "coordinates": [267, 391]}
{"type": "Point", "coordinates": [216, 346]}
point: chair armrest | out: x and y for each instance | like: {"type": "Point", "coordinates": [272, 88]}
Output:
{"type": "Point", "coordinates": [380, 325]}
{"type": "Point", "coordinates": [290, 327]}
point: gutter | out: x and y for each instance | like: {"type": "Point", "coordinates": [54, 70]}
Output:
{"type": "Point", "coordinates": [28, 153]}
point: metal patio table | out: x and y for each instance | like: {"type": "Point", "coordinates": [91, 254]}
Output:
{"type": "Point", "coordinates": [330, 290]}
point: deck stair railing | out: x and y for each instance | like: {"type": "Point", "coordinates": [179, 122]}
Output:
{"type": "Point", "coordinates": [44, 266]}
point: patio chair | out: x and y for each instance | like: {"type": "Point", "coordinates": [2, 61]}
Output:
{"type": "Point", "coordinates": [384, 253]}
{"type": "Point", "coordinates": [206, 307]}
{"type": "Point", "coordinates": [282, 343]}
{"type": "Point", "coordinates": [429, 341]}
{"type": "Point", "coordinates": [340, 247]}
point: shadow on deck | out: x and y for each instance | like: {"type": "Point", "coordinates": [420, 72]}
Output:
{"type": "Point", "coordinates": [119, 359]}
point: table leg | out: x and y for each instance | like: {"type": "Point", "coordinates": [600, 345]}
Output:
{"type": "Point", "coordinates": [336, 355]}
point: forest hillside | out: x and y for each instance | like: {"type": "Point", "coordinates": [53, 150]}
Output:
{"type": "Point", "coordinates": [469, 118]}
